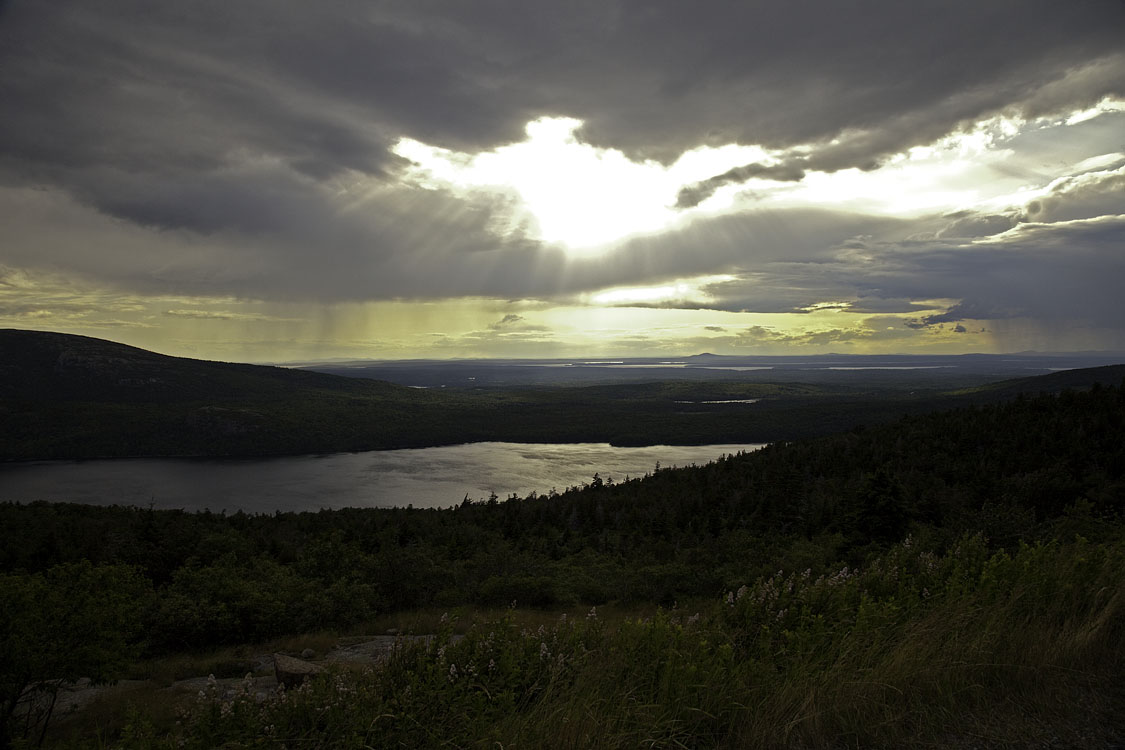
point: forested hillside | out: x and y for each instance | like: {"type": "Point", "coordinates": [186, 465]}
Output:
{"type": "Point", "coordinates": [982, 546]}
{"type": "Point", "coordinates": [68, 397]}
{"type": "Point", "coordinates": [1014, 471]}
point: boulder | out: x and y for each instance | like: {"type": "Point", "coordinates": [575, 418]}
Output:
{"type": "Point", "coordinates": [291, 672]}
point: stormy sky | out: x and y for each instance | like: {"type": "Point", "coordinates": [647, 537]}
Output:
{"type": "Point", "coordinates": [270, 180]}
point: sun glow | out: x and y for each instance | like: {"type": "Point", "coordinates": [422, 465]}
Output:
{"type": "Point", "coordinates": [574, 195]}
{"type": "Point", "coordinates": [583, 198]}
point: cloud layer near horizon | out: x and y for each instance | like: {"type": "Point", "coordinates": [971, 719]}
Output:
{"type": "Point", "coordinates": [248, 151]}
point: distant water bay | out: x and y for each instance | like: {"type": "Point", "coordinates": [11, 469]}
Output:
{"type": "Point", "coordinates": [423, 477]}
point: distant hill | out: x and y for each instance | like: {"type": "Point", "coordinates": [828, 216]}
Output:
{"type": "Point", "coordinates": [906, 372]}
{"type": "Point", "coordinates": [58, 366]}
{"type": "Point", "coordinates": [66, 396]}
{"type": "Point", "coordinates": [1055, 382]}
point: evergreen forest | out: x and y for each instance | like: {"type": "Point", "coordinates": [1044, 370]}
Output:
{"type": "Point", "coordinates": [950, 579]}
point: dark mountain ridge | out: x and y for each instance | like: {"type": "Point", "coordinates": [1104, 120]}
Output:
{"type": "Point", "coordinates": [44, 365]}
{"type": "Point", "coordinates": [66, 396]}
{"type": "Point", "coordinates": [1051, 383]}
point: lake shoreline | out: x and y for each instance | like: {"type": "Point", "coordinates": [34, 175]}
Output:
{"type": "Point", "coordinates": [8, 461]}
{"type": "Point", "coordinates": [433, 477]}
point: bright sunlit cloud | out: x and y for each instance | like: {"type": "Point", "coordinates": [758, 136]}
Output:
{"type": "Point", "coordinates": [979, 168]}
{"type": "Point", "coordinates": [577, 195]}
{"type": "Point", "coordinates": [1106, 105]}
{"type": "Point", "coordinates": [588, 199]}
{"type": "Point", "coordinates": [684, 291]}
{"type": "Point", "coordinates": [955, 172]}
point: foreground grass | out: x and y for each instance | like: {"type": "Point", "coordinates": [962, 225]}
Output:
{"type": "Point", "coordinates": [966, 648]}
{"type": "Point", "coordinates": [159, 691]}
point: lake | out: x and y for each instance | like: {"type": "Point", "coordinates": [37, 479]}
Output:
{"type": "Point", "coordinates": [422, 477]}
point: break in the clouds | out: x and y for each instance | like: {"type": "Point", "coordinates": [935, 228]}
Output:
{"type": "Point", "coordinates": [901, 174]}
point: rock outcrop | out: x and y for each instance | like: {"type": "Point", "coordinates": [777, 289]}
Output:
{"type": "Point", "coordinates": [291, 672]}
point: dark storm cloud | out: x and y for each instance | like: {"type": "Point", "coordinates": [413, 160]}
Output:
{"type": "Point", "coordinates": [1049, 272]}
{"type": "Point", "coordinates": [1067, 267]}
{"type": "Point", "coordinates": [513, 323]}
{"type": "Point", "coordinates": [972, 310]}
{"type": "Point", "coordinates": [780, 261]}
{"type": "Point", "coordinates": [243, 147]}
{"type": "Point", "coordinates": [320, 252]}
{"type": "Point", "coordinates": [325, 86]}
{"type": "Point", "coordinates": [869, 302]}
{"type": "Point", "coordinates": [693, 195]}
{"type": "Point", "coordinates": [1081, 197]}
{"type": "Point", "coordinates": [1063, 271]}
{"type": "Point", "coordinates": [972, 224]}
{"type": "Point", "coordinates": [884, 74]}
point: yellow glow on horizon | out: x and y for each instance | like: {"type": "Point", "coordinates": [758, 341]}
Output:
{"type": "Point", "coordinates": [235, 330]}
{"type": "Point", "coordinates": [638, 331]}
{"type": "Point", "coordinates": [621, 324]}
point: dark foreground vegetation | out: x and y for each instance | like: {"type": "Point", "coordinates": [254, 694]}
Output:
{"type": "Point", "coordinates": [72, 397]}
{"type": "Point", "coordinates": [950, 580]}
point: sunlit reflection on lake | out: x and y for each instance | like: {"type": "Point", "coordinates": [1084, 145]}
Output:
{"type": "Point", "coordinates": [425, 477]}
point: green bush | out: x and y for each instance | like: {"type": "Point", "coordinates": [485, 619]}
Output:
{"type": "Point", "coordinates": [73, 621]}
